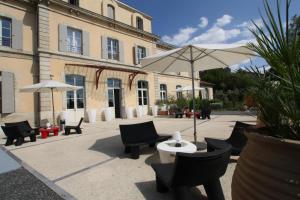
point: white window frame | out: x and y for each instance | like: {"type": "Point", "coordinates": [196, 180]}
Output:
{"type": "Point", "coordinates": [113, 49]}
{"type": "Point", "coordinates": [141, 52]}
{"type": "Point", "coordinates": [179, 94]}
{"type": "Point", "coordinates": [163, 92]}
{"type": "Point", "coordinates": [74, 43]}
{"type": "Point", "coordinates": [139, 23]}
{"type": "Point", "coordinates": [143, 90]}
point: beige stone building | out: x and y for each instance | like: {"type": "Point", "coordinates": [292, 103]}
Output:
{"type": "Point", "coordinates": [96, 44]}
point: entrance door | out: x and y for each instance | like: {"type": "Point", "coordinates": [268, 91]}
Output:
{"type": "Point", "coordinates": [75, 99]}
{"type": "Point", "coordinates": [114, 95]}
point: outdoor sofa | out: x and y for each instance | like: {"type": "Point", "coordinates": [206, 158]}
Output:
{"type": "Point", "coordinates": [76, 128]}
{"type": "Point", "coordinates": [237, 139]}
{"type": "Point", "coordinates": [135, 135]}
{"type": "Point", "coordinates": [18, 133]}
{"type": "Point", "coordinates": [190, 170]}
{"type": "Point", "coordinates": [24, 126]}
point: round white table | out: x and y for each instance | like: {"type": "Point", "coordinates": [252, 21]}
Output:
{"type": "Point", "coordinates": [167, 149]}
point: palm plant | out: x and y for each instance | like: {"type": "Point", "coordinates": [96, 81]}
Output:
{"type": "Point", "coordinates": [277, 93]}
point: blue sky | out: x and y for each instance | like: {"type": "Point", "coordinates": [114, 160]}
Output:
{"type": "Point", "coordinates": [204, 21]}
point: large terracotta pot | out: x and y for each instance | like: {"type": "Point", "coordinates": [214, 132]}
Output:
{"type": "Point", "coordinates": [268, 169]}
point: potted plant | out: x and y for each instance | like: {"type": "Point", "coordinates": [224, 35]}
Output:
{"type": "Point", "coordinates": [269, 165]}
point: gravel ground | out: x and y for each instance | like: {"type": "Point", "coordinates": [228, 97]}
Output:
{"type": "Point", "coordinates": [22, 185]}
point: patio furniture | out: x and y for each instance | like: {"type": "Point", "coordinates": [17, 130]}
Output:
{"type": "Point", "coordinates": [76, 128]}
{"type": "Point", "coordinates": [25, 126]}
{"type": "Point", "coordinates": [135, 135]}
{"type": "Point", "coordinates": [46, 131]}
{"type": "Point", "coordinates": [178, 113]}
{"type": "Point", "coordinates": [205, 112]}
{"type": "Point", "coordinates": [190, 170]}
{"type": "Point", "coordinates": [16, 133]}
{"type": "Point", "coordinates": [167, 149]}
{"type": "Point", "coordinates": [237, 139]}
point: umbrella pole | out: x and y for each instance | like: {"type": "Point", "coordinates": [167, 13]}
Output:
{"type": "Point", "coordinates": [193, 87]}
{"type": "Point", "coordinates": [53, 111]}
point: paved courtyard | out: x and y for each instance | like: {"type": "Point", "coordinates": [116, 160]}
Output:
{"type": "Point", "coordinates": [93, 166]}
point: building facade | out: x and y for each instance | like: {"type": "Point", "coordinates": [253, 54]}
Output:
{"type": "Point", "coordinates": [95, 44]}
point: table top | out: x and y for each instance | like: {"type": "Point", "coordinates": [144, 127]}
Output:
{"type": "Point", "coordinates": [50, 128]}
{"type": "Point", "coordinates": [169, 146]}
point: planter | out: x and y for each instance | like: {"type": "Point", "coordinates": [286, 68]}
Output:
{"type": "Point", "coordinates": [129, 112]}
{"type": "Point", "coordinates": [154, 110]}
{"type": "Point", "coordinates": [108, 114]}
{"type": "Point", "coordinates": [161, 112]}
{"type": "Point", "coordinates": [268, 168]}
{"type": "Point", "coordinates": [139, 111]}
{"type": "Point", "coordinates": [92, 114]}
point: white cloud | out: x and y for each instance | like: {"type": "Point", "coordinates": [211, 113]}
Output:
{"type": "Point", "coordinates": [181, 37]}
{"type": "Point", "coordinates": [216, 35]}
{"type": "Point", "coordinates": [203, 22]}
{"type": "Point", "coordinates": [224, 20]}
{"type": "Point", "coordinates": [248, 25]}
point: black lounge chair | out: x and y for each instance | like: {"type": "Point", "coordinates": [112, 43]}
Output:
{"type": "Point", "coordinates": [16, 133]}
{"type": "Point", "coordinates": [190, 170]}
{"type": "Point", "coordinates": [237, 139]}
{"type": "Point", "coordinates": [135, 135]}
{"type": "Point", "coordinates": [76, 128]}
{"type": "Point", "coordinates": [24, 126]}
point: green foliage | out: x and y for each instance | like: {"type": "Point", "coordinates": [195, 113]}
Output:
{"type": "Point", "coordinates": [182, 102]}
{"type": "Point", "coordinates": [277, 93]}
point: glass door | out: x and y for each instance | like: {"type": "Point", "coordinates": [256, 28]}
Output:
{"type": "Point", "coordinates": [114, 96]}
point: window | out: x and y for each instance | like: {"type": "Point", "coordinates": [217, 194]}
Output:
{"type": "Point", "coordinates": [113, 49]}
{"type": "Point", "coordinates": [139, 23]}
{"type": "Point", "coordinates": [178, 93]}
{"type": "Point", "coordinates": [74, 40]}
{"type": "Point", "coordinates": [143, 93]}
{"type": "Point", "coordinates": [163, 92]}
{"type": "Point", "coordinates": [74, 2]}
{"type": "Point", "coordinates": [112, 84]}
{"type": "Point", "coordinates": [5, 32]}
{"type": "Point", "coordinates": [75, 99]}
{"type": "Point", "coordinates": [111, 11]}
{"type": "Point", "coordinates": [141, 53]}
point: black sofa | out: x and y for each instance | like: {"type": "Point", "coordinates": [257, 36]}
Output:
{"type": "Point", "coordinates": [237, 139]}
{"type": "Point", "coordinates": [190, 170]}
{"type": "Point", "coordinates": [17, 133]}
{"type": "Point", "coordinates": [135, 135]}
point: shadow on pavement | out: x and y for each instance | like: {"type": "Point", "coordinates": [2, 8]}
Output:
{"type": "Point", "coordinates": [148, 189]}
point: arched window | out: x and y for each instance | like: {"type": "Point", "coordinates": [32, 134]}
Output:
{"type": "Point", "coordinates": [139, 23]}
{"type": "Point", "coordinates": [76, 99]}
{"type": "Point", "coordinates": [143, 93]}
{"type": "Point", "coordinates": [111, 11]}
{"type": "Point", "coordinates": [178, 93]}
{"type": "Point", "coordinates": [163, 92]}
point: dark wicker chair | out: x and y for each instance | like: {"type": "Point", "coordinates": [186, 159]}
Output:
{"type": "Point", "coordinates": [237, 139]}
{"type": "Point", "coordinates": [24, 126]}
{"type": "Point", "coordinates": [135, 135]}
{"type": "Point", "coordinates": [16, 133]}
{"type": "Point", "coordinates": [190, 170]}
{"type": "Point", "coordinates": [76, 128]}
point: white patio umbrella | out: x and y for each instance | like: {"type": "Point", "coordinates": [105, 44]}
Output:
{"type": "Point", "coordinates": [50, 86]}
{"type": "Point", "coordinates": [197, 57]}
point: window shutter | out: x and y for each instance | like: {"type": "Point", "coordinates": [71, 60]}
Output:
{"type": "Point", "coordinates": [8, 93]}
{"type": "Point", "coordinates": [86, 43]}
{"type": "Point", "coordinates": [136, 56]}
{"type": "Point", "coordinates": [147, 52]}
{"type": "Point", "coordinates": [17, 34]}
{"type": "Point", "coordinates": [121, 51]}
{"type": "Point", "coordinates": [62, 37]}
{"type": "Point", "coordinates": [104, 47]}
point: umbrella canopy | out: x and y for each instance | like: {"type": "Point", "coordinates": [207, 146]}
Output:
{"type": "Point", "coordinates": [189, 88]}
{"type": "Point", "coordinates": [197, 57]}
{"type": "Point", "coordinates": [50, 86]}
